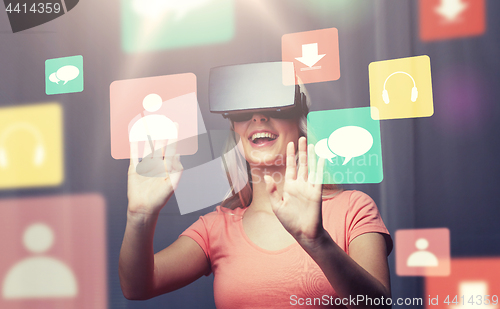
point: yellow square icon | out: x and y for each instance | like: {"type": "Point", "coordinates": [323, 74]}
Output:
{"type": "Point", "coordinates": [401, 88]}
{"type": "Point", "coordinates": [31, 152]}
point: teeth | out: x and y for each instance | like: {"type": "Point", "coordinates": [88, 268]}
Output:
{"type": "Point", "coordinates": [262, 135]}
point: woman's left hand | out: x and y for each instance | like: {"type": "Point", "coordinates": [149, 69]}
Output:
{"type": "Point", "coordinates": [299, 209]}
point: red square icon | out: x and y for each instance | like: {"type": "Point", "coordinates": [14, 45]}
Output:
{"type": "Point", "coordinates": [315, 54]}
{"type": "Point", "coordinates": [147, 109]}
{"type": "Point", "coordinates": [473, 283]}
{"type": "Point", "coordinates": [423, 252]}
{"type": "Point", "coordinates": [53, 252]}
{"type": "Point", "coordinates": [448, 19]}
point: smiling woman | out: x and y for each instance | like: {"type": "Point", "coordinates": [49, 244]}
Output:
{"type": "Point", "coordinates": [286, 235]}
{"type": "Point", "coordinates": [265, 138]}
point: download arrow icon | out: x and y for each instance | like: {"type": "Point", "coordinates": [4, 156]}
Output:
{"type": "Point", "coordinates": [310, 54]}
{"type": "Point", "coordinates": [451, 9]}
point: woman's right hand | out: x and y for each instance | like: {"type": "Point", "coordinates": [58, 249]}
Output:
{"type": "Point", "coordinates": [152, 181]}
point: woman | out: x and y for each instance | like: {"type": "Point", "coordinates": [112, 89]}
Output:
{"type": "Point", "coordinates": [286, 246]}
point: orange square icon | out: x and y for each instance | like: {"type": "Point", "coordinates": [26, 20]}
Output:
{"type": "Point", "coordinates": [315, 54]}
{"type": "Point", "coordinates": [152, 111]}
{"type": "Point", "coordinates": [53, 252]}
{"type": "Point", "coordinates": [473, 283]}
{"type": "Point", "coordinates": [448, 19]}
{"type": "Point", "coordinates": [423, 252]}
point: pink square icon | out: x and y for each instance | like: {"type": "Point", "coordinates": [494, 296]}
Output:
{"type": "Point", "coordinates": [315, 54]}
{"type": "Point", "coordinates": [423, 252]}
{"type": "Point", "coordinates": [152, 111]}
{"type": "Point", "coordinates": [473, 283]}
{"type": "Point", "coordinates": [53, 252]}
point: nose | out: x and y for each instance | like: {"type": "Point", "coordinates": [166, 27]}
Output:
{"type": "Point", "coordinates": [260, 118]}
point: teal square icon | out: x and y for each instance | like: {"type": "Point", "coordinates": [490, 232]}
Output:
{"type": "Point", "coordinates": [64, 75]}
{"type": "Point", "coordinates": [349, 141]}
{"type": "Point", "coordinates": [160, 24]}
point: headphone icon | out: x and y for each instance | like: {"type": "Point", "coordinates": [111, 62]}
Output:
{"type": "Point", "coordinates": [39, 155]}
{"type": "Point", "coordinates": [414, 91]}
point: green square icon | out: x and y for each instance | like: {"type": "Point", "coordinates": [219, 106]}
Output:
{"type": "Point", "coordinates": [349, 140]}
{"type": "Point", "coordinates": [64, 75]}
{"type": "Point", "coordinates": [160, 24]}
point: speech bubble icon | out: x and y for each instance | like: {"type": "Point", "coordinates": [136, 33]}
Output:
{"type": "Point", "coordinates": [67, 73]}
{"type": "Point", "coordinates": [322, 150]}
{"type": "Point", "coordinates": [350, 141]}
{"type": "Point", "coordinates": [53, 78]}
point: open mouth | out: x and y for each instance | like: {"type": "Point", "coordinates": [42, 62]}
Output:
{"type": "Point", "coordinates": [262, 137]}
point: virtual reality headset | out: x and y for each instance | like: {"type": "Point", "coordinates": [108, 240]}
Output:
{"type": "Point", "coordinates": [239, 91]}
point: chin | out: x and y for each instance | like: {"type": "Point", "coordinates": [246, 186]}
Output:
{"type": "Point", "coordinates": [265, 158]}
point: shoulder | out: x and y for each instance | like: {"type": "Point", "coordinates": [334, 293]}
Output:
{"type": "Point", "coordinates": [348, 201]}
{"type": "Point", "coordinates": [210, 229]}
{"type": "Point", "coordinates": [359, 215]}
{"type": "Point", "coordinates": [220, 216]}
{"type": "Point", "coordinates": [352, 205]}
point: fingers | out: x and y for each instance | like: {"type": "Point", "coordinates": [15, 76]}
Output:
{"type": "Point", "coordinates": [291, 166]}
{"type": "Point", "coordinates": [316, 168]}
{"type": "Point", "coordinates": [134, 154]}
{"type": "Point", "coordinates": [177, 165]}
{"type": "Point", "coordinates": [302, 172]}
{"type": "Point", "coordinates": [148, 148]}
{"type": "Point", "coordinates": [176, 172]}
{"type": "Point", "coordinates": [159, 147]}
{"type": "Point", "coordinates": [170, 148]}
{"type": "Point", "coordinates": [319, 171]}
{"type": "Point", "coordinates": [311, 156]}
{"type": "Point", "coordinates": [170, 152]}
{"type": "Point", "coordinates": [272, 189]}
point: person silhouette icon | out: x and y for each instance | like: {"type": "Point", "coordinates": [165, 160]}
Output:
{"type": "Point", "coordinates": [152, 127]}
{"type": "Point", "coordinates": [422, 258]}
{"type": "Point", "coordinates": [39, 276]}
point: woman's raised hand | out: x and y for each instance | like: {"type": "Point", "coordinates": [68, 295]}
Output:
{"type": "Point", "coordinates": [152, 181]}
{"type": "Point", "coordinates": [299, 209]}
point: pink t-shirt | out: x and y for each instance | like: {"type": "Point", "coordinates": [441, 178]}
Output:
{"type": "Point", "coordinates": [247, 276]}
